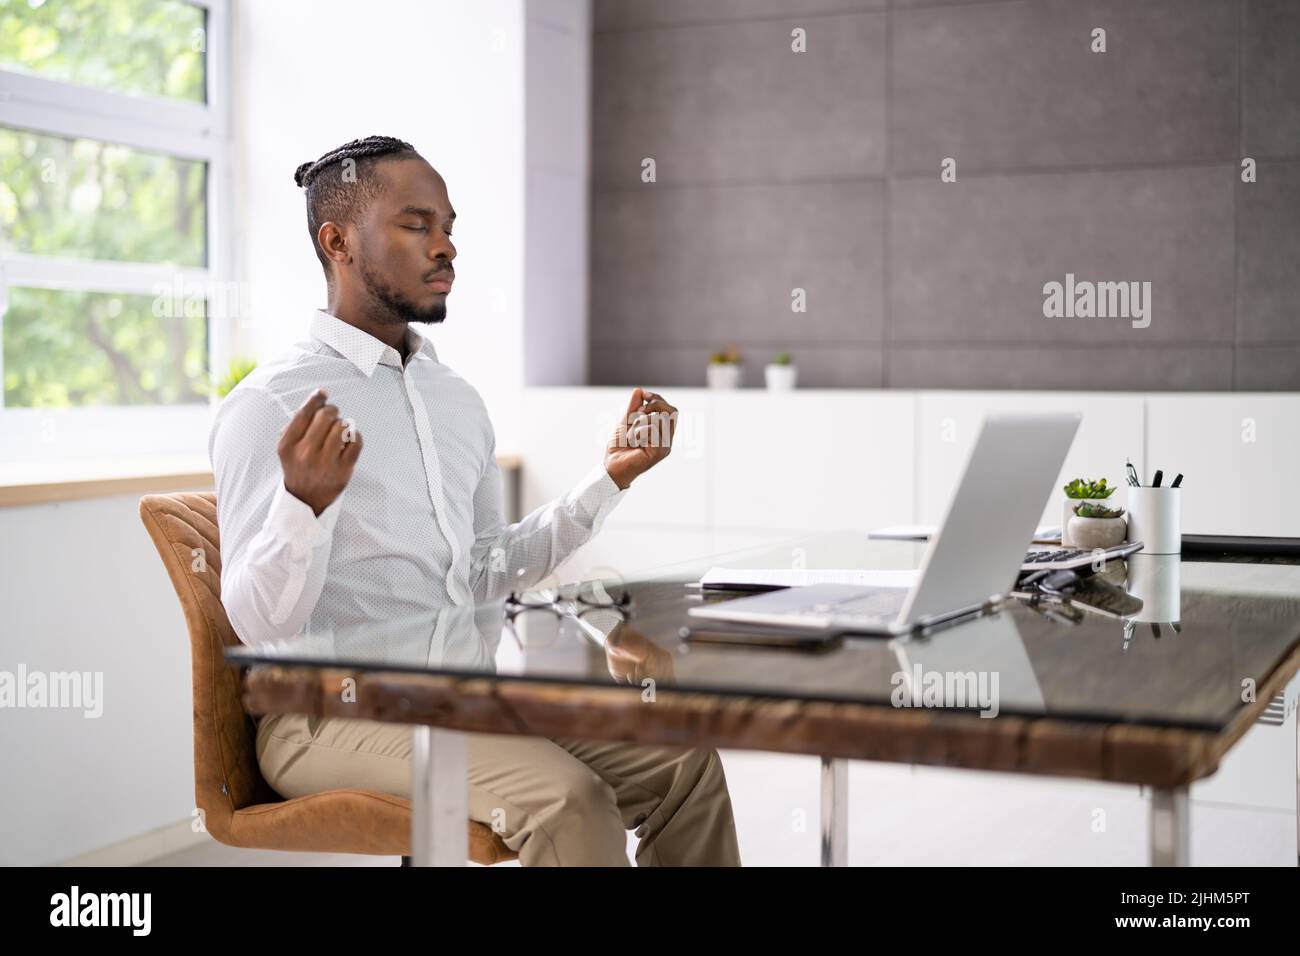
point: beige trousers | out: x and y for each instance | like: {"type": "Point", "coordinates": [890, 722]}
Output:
{"type": "Point", "coordinates": [556, 802]}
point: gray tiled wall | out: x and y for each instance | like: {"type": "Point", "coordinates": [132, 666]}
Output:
{"type": "Point", "coordinates": [820, 170]}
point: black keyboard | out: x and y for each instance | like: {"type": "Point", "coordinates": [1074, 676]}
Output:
{"type": "Point", "coordinates": [1056, 558]}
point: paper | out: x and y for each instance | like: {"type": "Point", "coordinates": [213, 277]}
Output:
{"type": "Point", "coordinates": [800, 577]}
{"type": "Point", "coordinates": [903, 532]}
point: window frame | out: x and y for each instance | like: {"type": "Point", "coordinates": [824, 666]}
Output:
{"type": "Point", "coordinates": [168, 127]}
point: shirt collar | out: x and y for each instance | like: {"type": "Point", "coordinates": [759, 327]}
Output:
{"type": "Point", "coordinates": [361, 348]}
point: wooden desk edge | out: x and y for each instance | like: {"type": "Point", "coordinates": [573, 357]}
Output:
{"type": "Point", "coordinates": [1118, 753]}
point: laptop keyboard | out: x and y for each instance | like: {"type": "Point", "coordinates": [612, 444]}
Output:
{"type": "Point", "coordinates": [1061, 554]}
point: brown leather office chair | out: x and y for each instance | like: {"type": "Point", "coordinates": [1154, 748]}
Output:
{"type": "Point", "coordinates": [239, 807]}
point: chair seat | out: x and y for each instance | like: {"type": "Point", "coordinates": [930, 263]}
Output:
{"type": "Point", "coordinates": [348, 821]}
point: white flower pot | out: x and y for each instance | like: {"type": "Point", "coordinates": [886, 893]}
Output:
{"type": "Point", "coordinates": [780, 378]}
{"type": "Point", "coordinates": [1067, 512]}
{"type": "Point", "coordinates": [722, 375]}
{"type": "Point", "coordinates": [1097, 533]}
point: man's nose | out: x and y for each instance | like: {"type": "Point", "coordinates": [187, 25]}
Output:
{"type": "Point", "coordinates": [443, 249]}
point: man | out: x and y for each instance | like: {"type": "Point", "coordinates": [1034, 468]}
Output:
{"type": "Point", "coordinates": [357, 484]}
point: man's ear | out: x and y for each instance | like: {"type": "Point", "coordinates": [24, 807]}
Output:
{"type": "Point", "coordinates": [334, 241]}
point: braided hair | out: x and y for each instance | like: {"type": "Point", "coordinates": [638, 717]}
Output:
{"type": "Point", "coordinates": [338, 185]}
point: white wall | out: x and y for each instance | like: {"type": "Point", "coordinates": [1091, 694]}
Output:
{"type": "Point", "coordinates": [1240, 453]}
{"type": "Point", "coordinates": [83, 589]}
{"type": "Point", "coordinates": [446, 77]}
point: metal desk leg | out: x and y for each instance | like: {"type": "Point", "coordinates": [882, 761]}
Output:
{"type": "Point", "coordinates": [1170, 827]}
{"type": "Point", "coordinates": [835, 812]}
{"type": "Point", "coordinates": [439, 797]}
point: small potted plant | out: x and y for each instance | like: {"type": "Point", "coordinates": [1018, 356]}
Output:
{"type": "Point", "coordinates": [724, 369]}
{"type": "Point", "coordinates": [1093, 526]}
{"type": "Point", "coordinates": [780, 373]}
{"type": "Point", "coordinates": [1077, 492]}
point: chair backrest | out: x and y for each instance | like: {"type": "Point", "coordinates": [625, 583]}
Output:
{"type": "Point", "coordinates": [183, 527]}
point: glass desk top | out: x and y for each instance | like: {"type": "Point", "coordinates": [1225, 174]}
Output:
{"type": "Point", "coordinates": [1200, 634]}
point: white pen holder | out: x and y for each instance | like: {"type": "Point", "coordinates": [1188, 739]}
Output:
{"type": "Point", "coordinates": [1155, 519]}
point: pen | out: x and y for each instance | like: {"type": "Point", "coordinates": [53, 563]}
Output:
{"type": "Point", "coordinates": [1132, 472]}
{"type": "Point", "coordinates": [1177, 481]}
{"type": "Point", "coordinates": [1155, 482]}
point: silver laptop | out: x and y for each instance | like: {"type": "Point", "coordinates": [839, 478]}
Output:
{"type": "Point", "coordinates": [974, 558]}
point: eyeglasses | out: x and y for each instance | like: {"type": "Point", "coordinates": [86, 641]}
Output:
{"type": "Point", "coordinates": [535, 617]}
{"type": "Point", "coordinates": [589, 594]}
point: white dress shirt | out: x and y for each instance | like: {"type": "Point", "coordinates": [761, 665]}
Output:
{"type": "Point", "coordinates": [421, 524]}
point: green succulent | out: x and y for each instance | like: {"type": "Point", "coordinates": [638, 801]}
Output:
{"type": "Point", "coordinates": [782, 358]}
{"type": "Point", "coordinates": [1089, 489]}
{"type": "Point", "coordinates": [729, 356]}
{"type": "Point", "coordinates": [1089, 509]}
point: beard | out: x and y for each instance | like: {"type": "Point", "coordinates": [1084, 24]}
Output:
{"type": "Point", "coordinates": [395, 307]}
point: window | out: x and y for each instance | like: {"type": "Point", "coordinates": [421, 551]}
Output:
{"type": "Point", "coordinates": [114, 165]}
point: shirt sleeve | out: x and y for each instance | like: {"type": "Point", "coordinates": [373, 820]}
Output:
{"type": "Point", "coordinates": [506, 558]}
{"type": "Point", "coordinates": [274, 549]}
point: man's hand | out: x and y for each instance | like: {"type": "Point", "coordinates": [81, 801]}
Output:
{"type": "Point", "coordinates": [317, 452]}
{"type": "Point", "coordinates": [642, 439]}
{"type": "Point", "coordinates": [632, 657]}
